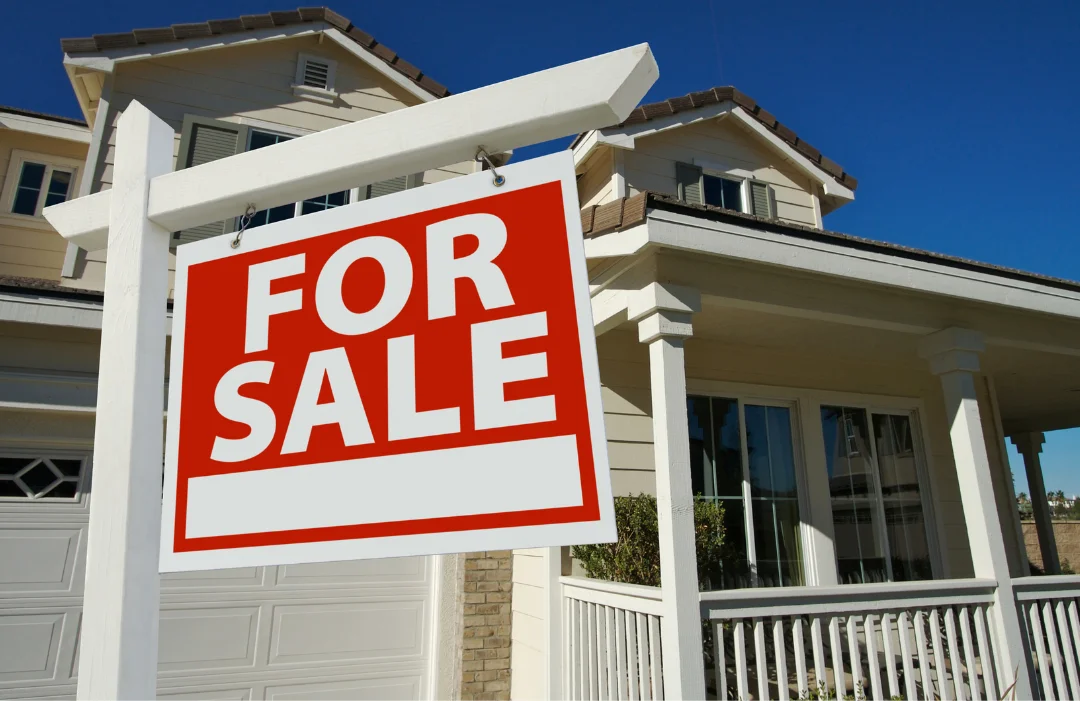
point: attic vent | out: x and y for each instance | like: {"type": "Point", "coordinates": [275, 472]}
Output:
{"type": "Point", "coordinates": [316, 74]}
{"type": "Point", "coordinates": [315, 78]}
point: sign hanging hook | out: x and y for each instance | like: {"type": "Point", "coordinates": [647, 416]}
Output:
{"type": "Point", "coordinates": [483, 157]}
{"type": "Point", "coordinates": [245, 220]}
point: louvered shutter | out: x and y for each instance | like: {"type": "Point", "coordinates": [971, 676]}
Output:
{"type": "Point", "coordinates": [316, 73]}
{"type": "Point", "coordinates": [688, 178]}
{"type": "Point", "coordinates": [387, 187]}
{"type": "Point", "coordinates": [202, 141]}
{"type": "Point", "coordinates": [761, 200]}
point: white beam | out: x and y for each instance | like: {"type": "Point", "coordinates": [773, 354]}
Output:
{"type": "Point", "coordinates": [1030, 445]}
{"type": "Point", "coordinates": [571, 98]}
{"type": "Point", "coordinates": [118, 658]}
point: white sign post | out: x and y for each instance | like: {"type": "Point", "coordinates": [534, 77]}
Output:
{"type": "Point", "coordinates": [119, 633]}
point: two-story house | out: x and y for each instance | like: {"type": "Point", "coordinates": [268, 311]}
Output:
{"type": "Point", "coordinates": [847, 401]}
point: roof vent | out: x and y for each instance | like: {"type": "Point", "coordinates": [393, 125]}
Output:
{"type": "Point", "coordinates": [315, 78]}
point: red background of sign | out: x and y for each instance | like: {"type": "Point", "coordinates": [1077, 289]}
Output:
{"type": "Point", "coordinates": [536, 264]}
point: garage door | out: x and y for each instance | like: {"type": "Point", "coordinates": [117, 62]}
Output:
{"type": "Point", "coordinates": [348, 630]}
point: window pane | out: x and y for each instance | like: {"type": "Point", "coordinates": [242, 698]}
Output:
{"type": "Point", "coordinates": [59, 185]}
{"type": "Point", "coordinates": [732, 194]}
{"type": "Point", "coordinates": [774, 491]}
{"type": "Point", "coordinates": [29, 189]}
{"type": "Point", "coordinates": [904, 518]}
{"type": "Point", "coordinates": [701, 451]}
{"type": "Point", "coordinates": [729, 477]}
{"type": "Point", "coordinates": [722, 192]}
{"type": "Point", "coordinates": [860, 556]}
{"type": "Point", "coordinates": [318, 204]}
{"type": "Point", "coordinates": [261, 139]}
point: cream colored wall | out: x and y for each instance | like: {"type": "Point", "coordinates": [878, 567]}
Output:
{"type": "Point", "coordinates": [594, 181]}
{"type": "Point", "coordinates": [624, 372]}
{"type": "Point", "coordinates": [29, 247]}
{"type": "Point", "coordinates": [250, 83]}
{"type": "Point", "coordinates": [528, 629]}
{"type": "Point", "coordinates": [651, 164]}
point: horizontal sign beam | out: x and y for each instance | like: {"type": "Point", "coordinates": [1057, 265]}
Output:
{"type": "Point", "coordinates": [575, 97]}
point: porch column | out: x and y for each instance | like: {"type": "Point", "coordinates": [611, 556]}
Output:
{"type": "Point", "coordinates": [663, 314]}
{"type": "Point", "coordinates": [954, 357]}
{"type": "Point", "coordinates": [1030, 445]}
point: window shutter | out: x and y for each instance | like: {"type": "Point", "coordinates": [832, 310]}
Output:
{"type": "Point", "coordinates": [316, 74]}
{"type": "Point", "coordinates": [202, 141]}
{"type": "Point", "coordinates": [762, 203]}
{"type": "Point", "coordinates": [688, 179]}
{"type": "Point", "coordinates": [387, 187]}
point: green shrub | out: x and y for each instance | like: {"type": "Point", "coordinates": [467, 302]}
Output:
{"type": "Point", "coordinates": [635, 557]}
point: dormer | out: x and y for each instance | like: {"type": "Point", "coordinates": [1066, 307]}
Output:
{"type": "Point", "coordinates": [717, 148]}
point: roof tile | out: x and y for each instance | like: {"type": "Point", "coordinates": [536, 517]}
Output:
{"type": "Point", "coordinates": [608, 216]}
{"type": "Point", "coordinates": [340, 21]}
{"type": "Point", "coordinates": [257, 21]}
{"type": "Point", "coordinates": [192, 31]}
{"type": "Point", "coordinates": [766, 117]}
{"type": "Point", "coordinates": [72, 46]}
{"type": "Point", "coordinates": [808, 150]}
{"type": "Point", "coordinates": [831, 167]}
{"type": "Point", "coordinates": [288, 17]}
{"type": "Point", "coordinates": [704, 97]}
{"type": "Point", "coordinates": [154, 36]}
{"type": "Point", "coordinates": [312, 14]}
{"type": "Point", "coordinates": [226, 26]}
{"type": "Point", "coordinates": [121, 40]}
{"type": "Point", "coordinates": [656, 109]}
{"type": "Point", "coordinates": [433, 86]}
{"type": "Point", "coordinates": [681, 104]}
{"type": "Point", "coordinates": [361, 37]}
{"type": "Point", "coordinates": [384, 52]}
{"type": "Point", "coordinates": [587, 219]}
{"type": "Point", "coordinates": [743, 100]}
{"type": "Point", "coordinates": [406, 68]}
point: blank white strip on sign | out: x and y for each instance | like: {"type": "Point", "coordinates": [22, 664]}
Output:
{"type": "Point", "coordinates": [540, 473]}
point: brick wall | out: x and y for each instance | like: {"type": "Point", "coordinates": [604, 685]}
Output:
{"type": "Point", "coordinates": [1067, 536]}
{"type": "Point", "coordinates": [485, 667]}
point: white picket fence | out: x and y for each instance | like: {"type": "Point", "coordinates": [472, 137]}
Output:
{"type": "Point", "coordinates": [1048, 610]}
{"type": "Point", "coordinates": [911, 640]}
{"type": "Point", "coordinates": [611, 641]}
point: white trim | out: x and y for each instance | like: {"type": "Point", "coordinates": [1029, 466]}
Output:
{"type": "Point", "coordinates": [379, 65]}
{"type": "Point", "coordinates": [106, 60]}
{"type": "Point", "coordinates": [818, 223]}
{"type": "Point", "coordinates": [49, 311]}
{"type": "Point", "coordinates": [101, 122]}
{"type": "Point", "coordinates": [44, 127]}
{"type": "Point", "coordinates": [51, 163]}
{"type": "Point", "coordinates": [618, 174]}
{"type": "Point", "coordinates": [262, 125]}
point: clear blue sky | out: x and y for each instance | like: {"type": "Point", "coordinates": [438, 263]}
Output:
{"type": "Point", "coordinates": [959, 118]}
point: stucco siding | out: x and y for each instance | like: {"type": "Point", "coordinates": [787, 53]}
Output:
{"type": "Point", "coordinates": [722, 146]}
{"type": "Point", "coordinates": [29, 247]}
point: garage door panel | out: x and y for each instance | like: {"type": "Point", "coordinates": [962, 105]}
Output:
{"type": "Point", "coordinates": [215, 638]}
{"type": "Point", "coordinates": [388, 631]}
{"type": "Point", "coordinates": [30, 645]}
{"type": "Point", "coordinates": [393, 688]}
{"type": "Point", "coordinates": [213, 580]}
{"type": "Point", "coordinates": [227, 692]}
{"type": "Point", "coordinates": [401, 571]}
{"type": "Point", "coordinates": [47, 558]}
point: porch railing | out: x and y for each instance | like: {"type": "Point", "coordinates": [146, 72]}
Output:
{"type": "Point", "coordinates": [1048, 611]}
{"type": "Point", "coordinates": [611, 640]}
{"type": "Point", "coordinates": [910, 640]}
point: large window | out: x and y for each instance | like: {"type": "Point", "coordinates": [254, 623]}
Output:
{"type": "Point", "coordinates": [742, 454]}
{"type": "Point", "coordinates": [262, 139]}
{"type": "Point", "coordinates": [877, 501]}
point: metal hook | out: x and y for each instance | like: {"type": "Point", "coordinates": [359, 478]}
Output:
{"type": "Point", "coordinates": [482, 156]}
{"type": "Point", "coordinates": [245, 220]}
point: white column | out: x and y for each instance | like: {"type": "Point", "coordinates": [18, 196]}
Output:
{"type": "Point", "coordinates": [953, 355]}
{"type": "Point", "coordinates": [1030, 445]}
{"type": "Point", "coordinates": [118, 647]}
{"type": "Point", "coordinates": [663, 314]}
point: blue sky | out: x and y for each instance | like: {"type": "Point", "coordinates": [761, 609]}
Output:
{"type": "Point", "coordinates": [958, 118]}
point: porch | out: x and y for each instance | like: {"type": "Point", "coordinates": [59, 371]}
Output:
{"type": "Point", "coordinates": [851, 408]}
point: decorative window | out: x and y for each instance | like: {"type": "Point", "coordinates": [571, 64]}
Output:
{"type": "Point", "coordinates": [315, 78]}
{"type": "Point", "coordinates": [52, 478]}
{"type": "Point", "coordinates": [35, 181]}
{"type": "Point", "coordinates": [743, 455]}
{"type": "Point", "coordinates": [875, 478]}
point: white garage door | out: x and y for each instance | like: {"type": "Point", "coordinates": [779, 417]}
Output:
{"type": "Point", "coordinates": [343, 630]}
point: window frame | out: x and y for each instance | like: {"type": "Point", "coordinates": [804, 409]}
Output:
{"type": "Point", "coordinates": [815, 505]}
{"type": "Point", "coordinates": [798, 447]}
{"type": "Point", "coordinates": [82, 485]}
{"type": "Point", "coordinates": [51, 163]}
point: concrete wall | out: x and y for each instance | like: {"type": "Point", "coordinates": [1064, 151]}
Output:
{"type": "Point", "coordinates": [1067, 536]}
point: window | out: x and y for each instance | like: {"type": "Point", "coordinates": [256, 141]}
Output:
{"type": "Point", "coordinates": [743, 453]}
{"type": "Point", "coordinates": [315, 78]}
{"type": "Point", "coordinates": [722, 192]}
{"type": "Point", "coordinates": [40, 477]}
{"type": "Point", "coordinates": [262, 139]}
{"type": "Point", "coordinates": [877, 501]}
{"type": "Point", "coordinates": [35, 181]}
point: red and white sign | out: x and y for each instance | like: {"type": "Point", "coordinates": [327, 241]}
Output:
{"type": "Point", "coordinates": [409, 375]}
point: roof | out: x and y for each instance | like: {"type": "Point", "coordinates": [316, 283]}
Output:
{"type": "Point", "coordinates": [47, 288]}
{"type": "Point", "coordinates": [627, 211]}
{"type": "Point", "coordinates": [42, 115]}
{"type": "Point", "coordinates": [697, 100]}
{"type": "Point", "coordinates": [245, 23]}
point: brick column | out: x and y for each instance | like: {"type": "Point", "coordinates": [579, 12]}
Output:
{"type": "Point", "coordinates": [485, 668]}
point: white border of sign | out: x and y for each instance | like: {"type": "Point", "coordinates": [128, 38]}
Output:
{"type": "Point", "coordinates": [556, 167]}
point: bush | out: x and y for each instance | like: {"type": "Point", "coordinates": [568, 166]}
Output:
{"type": "Point", "coordinates": [635, 557]}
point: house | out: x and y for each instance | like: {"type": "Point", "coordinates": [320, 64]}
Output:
{"type": "Point", "coordinates": [847, 401]}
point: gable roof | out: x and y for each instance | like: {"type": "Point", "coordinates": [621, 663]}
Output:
{"type": "Point", "coordinates": [712, 96]}
{"type": "Point", "coordinates": [245, 23]}
{"type": "Point", "coordinates": [42, 115]}
{"type": "Point", "coordinates": [634, 209]}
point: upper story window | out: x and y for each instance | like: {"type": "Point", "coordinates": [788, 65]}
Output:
{"type": "Point", "coordinates": [730, 189]}
{"type": "Point", "coordinates": [35, 181]}
{"type": "Point", "coordinates": [315, 77]}
{"type": "Point", "coordinates": [261, 139]}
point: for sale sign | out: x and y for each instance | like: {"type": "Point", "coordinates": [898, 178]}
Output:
{"type": "Point", "coordinates": [408, 375]}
